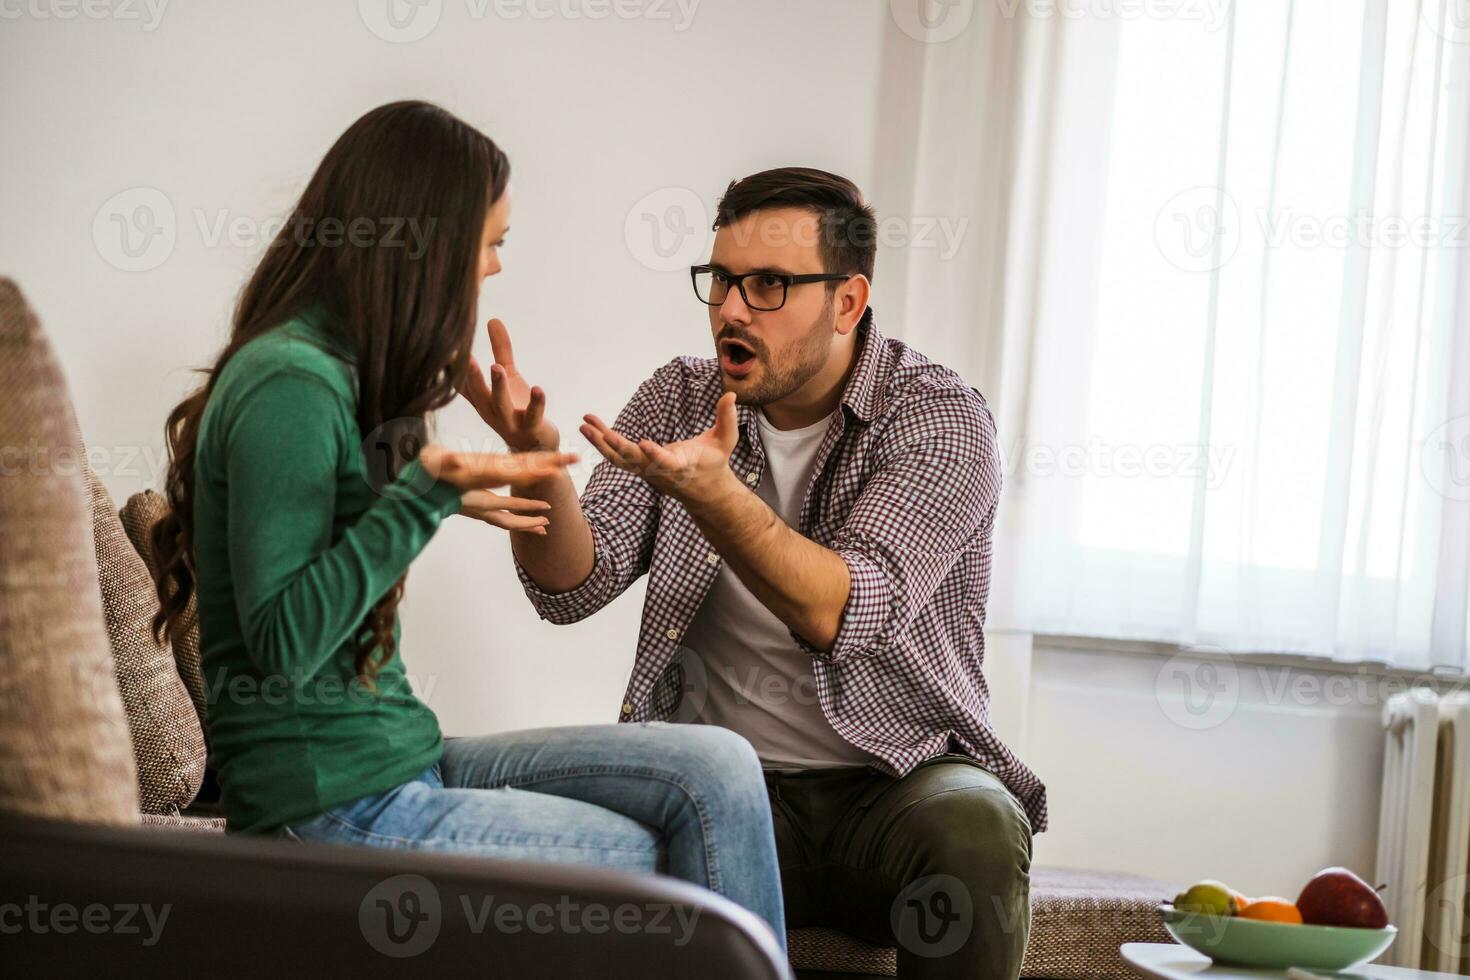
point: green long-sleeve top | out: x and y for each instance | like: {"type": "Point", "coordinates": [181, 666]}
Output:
{"type": "Point", "coordinates": [293, 546]}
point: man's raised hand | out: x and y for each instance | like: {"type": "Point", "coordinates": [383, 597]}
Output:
{"type": "Point", "coordinates": [691, 470]}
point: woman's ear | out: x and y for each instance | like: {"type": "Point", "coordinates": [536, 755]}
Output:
{"type": "Point", "coordinates": [851, 301]}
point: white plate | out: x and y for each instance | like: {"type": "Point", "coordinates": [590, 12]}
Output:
{"type": "Point", "coordinates": [1170, 961]}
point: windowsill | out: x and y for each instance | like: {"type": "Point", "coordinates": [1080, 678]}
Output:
{"type": "Point", "coordinates": [1440, 679]}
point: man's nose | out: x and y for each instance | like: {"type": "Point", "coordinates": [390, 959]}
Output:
{"type": "Point", "coordinates": [733, 309]}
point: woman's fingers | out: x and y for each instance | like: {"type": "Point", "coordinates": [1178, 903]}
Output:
{"type": "Point", "coordinates": [476, 389]}
{"type": "Point", "coordinates": [505, 469]}
{"type": "Point", "coordinates": [484, 501]}
{"type": "Point", "coordinates": [513, 522]}
{"type": "Point", "coordinates": [523, 505]}
{"type": "Point", "coordinates": [500, 397]}
{"type": "Point", "coordinates": [475, 384]}
{"type": "Point", "coordinates": [535, 408]}
{"type": "Point", "coordinates": [500, 342]}
{"type": "Point", "coordinates": [516, 522]}
{"type": "Point", "coordinates": [478, 471]}
{"type": "Point", "coordinates": [434, 460]}
{"type": "Point", "coordinates": [505, 519]}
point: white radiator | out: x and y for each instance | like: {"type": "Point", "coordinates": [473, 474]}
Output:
{"type": "Point", "coordinates": [1447, 905]}
{"type": "Point", "coordinates": [1424, 829]}
{"type": "Point", "coordinates": [1411, 724]}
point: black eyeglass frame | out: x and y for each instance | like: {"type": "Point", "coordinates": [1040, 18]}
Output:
{"type": "Point", "coordinates": [787, 281]}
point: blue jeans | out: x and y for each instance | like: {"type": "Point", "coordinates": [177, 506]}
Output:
{"type": "Point", "coordinates": [685, 800]}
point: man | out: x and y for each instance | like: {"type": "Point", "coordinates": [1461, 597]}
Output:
{"type": "Point", "coordinates": [814, 509]}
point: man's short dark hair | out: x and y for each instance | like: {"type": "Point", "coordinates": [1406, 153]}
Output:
{"type": "Point", "coordinates": [846, 228]}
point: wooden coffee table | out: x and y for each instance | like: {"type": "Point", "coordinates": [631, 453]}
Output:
{"type": "Point", "coordinates": [1171, 961]}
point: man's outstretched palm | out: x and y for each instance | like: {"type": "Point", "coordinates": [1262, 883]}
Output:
{"type": "Point", "coordinates": [510, 406]}
{"type": "Point", "coordinates": [685, 470]}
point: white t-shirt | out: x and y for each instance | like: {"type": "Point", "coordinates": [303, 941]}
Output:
{"type": "Point", "coordinates": [757, 681]}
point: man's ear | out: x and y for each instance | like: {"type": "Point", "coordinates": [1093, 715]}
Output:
{"type": "Point", "coordinates": [850, 302]}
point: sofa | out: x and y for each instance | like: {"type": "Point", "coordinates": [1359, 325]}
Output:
{"type": "Point", "coordinates": [103, 754]}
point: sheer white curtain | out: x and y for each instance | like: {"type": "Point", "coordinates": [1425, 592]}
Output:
{"type": "Point", "coordinates": [1225, 325]}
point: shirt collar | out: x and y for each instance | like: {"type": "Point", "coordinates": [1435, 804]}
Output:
{"type": "Point", "coordinates": [864, 390]}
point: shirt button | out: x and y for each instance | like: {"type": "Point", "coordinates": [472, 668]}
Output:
{"type": "Point", "coordinates": [752, 478]}
{"type": "Point", "coordinates": [712, 558]}
{"type": "Point", "coordinates": [671, 633]}
{"type": "Point", "coordinates": [627, 708]}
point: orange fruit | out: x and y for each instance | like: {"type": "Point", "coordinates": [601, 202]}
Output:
{"type": "Point", "coordinates": [1271, 909]}
{"type": "Point", "coordinates": [1237, 902]}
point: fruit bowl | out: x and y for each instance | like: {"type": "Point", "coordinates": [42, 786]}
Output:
{"type": "Point", "coordinates": [1275, 945]}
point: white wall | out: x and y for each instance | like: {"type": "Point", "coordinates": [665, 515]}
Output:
{"type": "Point", "coordinates": [227, 108]}
{"type": "Point", "coordinates": [1261, 785]}
{"type": "Point", "coordinates": [1258, 771]}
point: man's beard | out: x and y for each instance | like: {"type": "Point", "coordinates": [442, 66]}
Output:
{"type": "Point", "coordinates": [800, 362]}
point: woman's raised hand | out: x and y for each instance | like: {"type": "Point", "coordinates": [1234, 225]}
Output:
{"type": "Point", "coordinates": [510, 406]}
{"type": "Point", "coordinates": [481, 471]}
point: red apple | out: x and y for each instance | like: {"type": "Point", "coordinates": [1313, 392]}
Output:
{"type": "Point", "coordinates": [1337, 897]}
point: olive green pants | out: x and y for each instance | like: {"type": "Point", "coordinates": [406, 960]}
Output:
{"type": "Point", "coordinates": [936, 864]}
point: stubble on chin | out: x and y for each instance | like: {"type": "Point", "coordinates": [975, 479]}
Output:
{"type": "Point", "coordinates": [806, 358]}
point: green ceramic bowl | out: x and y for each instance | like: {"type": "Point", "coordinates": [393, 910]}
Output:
{"type": "Point", "coordinates": [1275, 945]}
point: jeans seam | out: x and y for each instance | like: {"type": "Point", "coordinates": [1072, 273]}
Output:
{"type": "Point", "coordinates": [374, 835]}
{"type": "Point", "coordinates": [711, 848]}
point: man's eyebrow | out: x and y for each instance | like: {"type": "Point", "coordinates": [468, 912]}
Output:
{"type": "Point", "coordinates": [758, 271]}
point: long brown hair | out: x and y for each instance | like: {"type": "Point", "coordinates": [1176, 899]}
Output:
{"type": "Point", "coordinates": [399, 297]}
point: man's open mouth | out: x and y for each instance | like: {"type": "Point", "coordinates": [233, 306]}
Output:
{"type": "Point", "coordinates": [736, 352]}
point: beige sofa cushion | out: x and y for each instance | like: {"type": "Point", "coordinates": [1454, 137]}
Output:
{"type": "Point", "coordinates": [64, 750]}
{"type": "Point", "coordinates": [139, 514]}
{"type": "Point", "coordinates": [168, 741]}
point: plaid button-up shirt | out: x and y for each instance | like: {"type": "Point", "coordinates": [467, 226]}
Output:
{"type": "Point", "coordinates": [904, 490]}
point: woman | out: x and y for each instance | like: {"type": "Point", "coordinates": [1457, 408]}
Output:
{"type": "Point", "coordinates": [299, 497]}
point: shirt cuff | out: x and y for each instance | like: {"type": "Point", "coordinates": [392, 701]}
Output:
{"type": "Point", "coordinates": [579, 603]}
{"type": "Point", "coordinates": [865, 612]}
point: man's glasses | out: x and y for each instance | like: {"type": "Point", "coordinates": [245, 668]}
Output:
{"type": "Point", "coordinates": [763, 291]}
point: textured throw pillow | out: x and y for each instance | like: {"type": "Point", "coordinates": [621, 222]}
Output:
{"type": "Point", "coordinates": [64, 748]}
{"type": "Point", "coordinates": [139, 514]}
{"type": "Point", "coordinates": [168, 741]}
